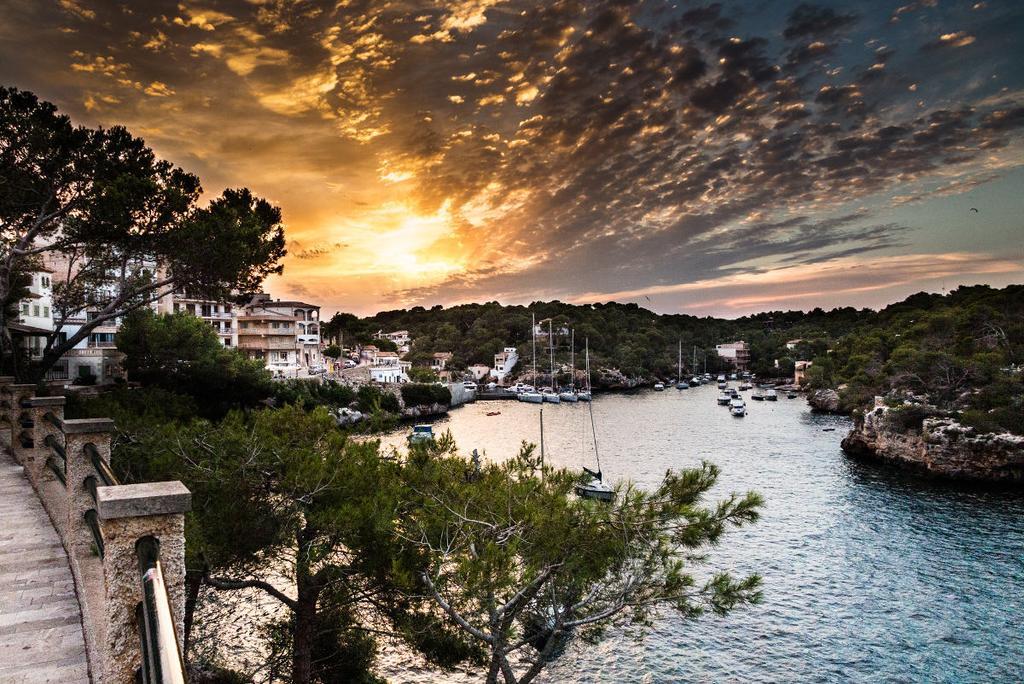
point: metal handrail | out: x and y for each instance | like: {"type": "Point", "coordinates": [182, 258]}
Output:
{"type": "Point", "coordinates": [161, 657]}
{"type": "Point", "coordinates": [102, 467]}
{"type": "Point", "coordinates": [58, 470]}
{"type": "Point", "coordinates": [93, 521]}
{"type": "Point", "coordinates": [56, 446]}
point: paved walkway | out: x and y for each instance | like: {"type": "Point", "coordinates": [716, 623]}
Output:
{"type": "Point", "coordinates": [40, 620]}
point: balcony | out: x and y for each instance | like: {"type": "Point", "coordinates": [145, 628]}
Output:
{"type": "Point", "coordinates": [266, 343]}
{"type": "Point", "coordinates": [266, 330]}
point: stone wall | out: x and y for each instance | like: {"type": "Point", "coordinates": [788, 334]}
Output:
{"type": "Point", "coordinates": [941, 447]}
{"type": "Point", "coordinates": [67, 464]}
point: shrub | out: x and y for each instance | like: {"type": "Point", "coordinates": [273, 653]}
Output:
{"type": "Point", "coordinates": [909, 416]}
{"type": "Point", "coordinates": [422, 394]}
{"type": "Point", "coordinates": [371, 400]}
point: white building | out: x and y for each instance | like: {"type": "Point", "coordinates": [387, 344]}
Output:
{"type": "Point", "coordinates": [736, 353]}
{"type": "Point", "coordinates": [504, 362]}
{"type": "Point", "coordinates": [387, 367]}
{"type": "Point", "coordinates": [479, 371]}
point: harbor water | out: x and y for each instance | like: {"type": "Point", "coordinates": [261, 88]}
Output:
{"type": "Point", "coordinates": [870, 574]}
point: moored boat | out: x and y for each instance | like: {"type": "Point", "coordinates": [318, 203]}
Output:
{"type": "Point", "coordinates": [659, 387]}
{"type": "Point", "coordinates": [421, 433]}
{"type": "Point", "coordinates": [738, 408]}
{"type": "Point", "coordinates": [724, 399]}
{"type": "Point", "coordinates": [771, 395]}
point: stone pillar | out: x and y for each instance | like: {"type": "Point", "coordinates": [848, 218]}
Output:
{"type": "Point", "coordinates": [127, 514]}
{"type": "Point", "coordinates": [6, 427]}
{"type": "Point", "coordinates": [19, 394]}
{"type": "Point", "coordinates": [78, 433]}
{"type": "Point", "coordinates": [35, 466]}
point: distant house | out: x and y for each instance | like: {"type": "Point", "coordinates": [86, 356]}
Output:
{"type": "Point", "coordinates": [791, 345]}
{"type": "Point", "coordinates": [504, 362]}
{"type": "Point", "coordinates": [800, 372]}
{"type": "Point", "coordinates": [399, 337]}
{"type": "Point", "coordinates": [439, 364]}
{"type": "Point", "coordinates": [736, 353]}
{"type": "Point", "coordinates": [479, 371]}
{"type": "Point", "coordinates": [387, 367]}
{"type": "Point", "coordinates": [541, 329]}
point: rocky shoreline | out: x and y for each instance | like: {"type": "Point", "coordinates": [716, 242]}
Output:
{"type": "Point", "coordinates": [940, 447]}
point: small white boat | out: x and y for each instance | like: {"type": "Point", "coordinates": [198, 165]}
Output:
{"type": "Point", "coordinates": [682, 386]}
{"type": "Point", "coordinates": [721, 378]}
{"type": "Point", "coordinates": [758, 395]}
{"type": "Point", "coordinates": [549, 395]}
{"type": "Point", "coordinates": [696, 382]}
{"type": "Point", "coordinates": [738, 408]}
{"type": "Point", "coordinates": [659, 387]}
{"type": "Point", "coordinates": [421, 433]}
{"type": "Point", "coordinates": [531, 397]}
{"type": "Point", "coordinates": [722, 385]}
{"type": "Point", "coordinates": [724, 399]}
{"type": "Point", "coordinates": [571, 397]}
{"type": "Point", "coordinates": [771, 395]}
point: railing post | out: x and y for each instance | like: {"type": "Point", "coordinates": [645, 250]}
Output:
{"type": "Point", "coordinates": [127, 514]}
{"type": "Point", "coordinates": [43, 429]}
{"type": "Point", "coordinates": [21, 434]}
{"type": "Point", "coordinates": [78, 433]}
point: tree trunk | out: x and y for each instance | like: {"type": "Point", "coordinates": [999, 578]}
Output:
{"type": "Point", "coordinates": [303, 635]}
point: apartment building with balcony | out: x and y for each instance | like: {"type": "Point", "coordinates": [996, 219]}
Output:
{"type": "Point", "coordinates": [220, 315]}
{"type": "Point", "coordinates": [736, 353]}
{"type": "Point", "coordinates": [504, 362]}
{"type": "Point", "coordinates": [285, 335]}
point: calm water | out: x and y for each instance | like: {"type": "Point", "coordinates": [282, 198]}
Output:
{"type": "Point", "coordinates": [869, 574]}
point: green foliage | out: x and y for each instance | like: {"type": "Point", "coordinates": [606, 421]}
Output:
{"type": "Point", "coordinates": [182, 354]}
{"type": "Point", "coordinates": [384, 345]}
{"type": "Point", "coordinates": [958, 351]}
{"type": "Point", "coordinates": [333, 351]}
{"type": "Point", "coordinates": [517, 560]}
{"type": "Point", "coordinates": [414, 394]}
{"type": "Point", "coordinates": [422, 374]}
{"type": "Point", "coordinates": [309, 393]}
{"type": "Point", "coordinates": [371, 399]}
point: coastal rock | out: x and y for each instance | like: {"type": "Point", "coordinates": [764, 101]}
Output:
{"type": "Point", "coordinates": [424, 410]}
{"type": "Point", "coordinates": [614, 379]}
{"type": "Point", "coordinates": [941, 447]}
{"type": "Point", "coordinates": [824, 401]}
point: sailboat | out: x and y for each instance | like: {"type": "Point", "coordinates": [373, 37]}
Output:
{"type": "Point", "coordinates": [533, 397]}
{"type": "Point", "coordinates": [680, 383]}
{"type": "Point", "coordinates": [550, 394]}
{"type": "Point", "coordinates": [570, 395]}
{"type": "Point", "coordinates": [594, 486]}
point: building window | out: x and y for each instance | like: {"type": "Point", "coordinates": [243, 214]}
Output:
{"type": "Point", "coordinates": [46, 312]}
{"type": "Point", "coordinates": [177, 307]}
{"type": "Point", "coordinates": [206, 310]}
{"type": "Point", "coordinates": [227, 308]}
{"type": "Point", "coordinates": [35, 310]}
{"type": "Point", "coordinates": [275, 325]}
{"type": "Point", "coordinates": [24, 309]}
{"type": "Point", "coordinates": [243, 325]}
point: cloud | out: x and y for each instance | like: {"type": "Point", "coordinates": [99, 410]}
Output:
{"type": "Point", "coordinates": [491, 148]}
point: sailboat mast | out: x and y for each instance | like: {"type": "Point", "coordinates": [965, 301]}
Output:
{"type": "Point", "coordinates": [551, 350]}
{"type": "Point", "coordinates": [572, 357]}
{"type": "Point", "coordinates": [679, 372]}
{"type": "Point", "coordinates": [533, 336]}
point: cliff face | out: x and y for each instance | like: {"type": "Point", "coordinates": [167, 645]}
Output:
{"type": "Point", "coordinates": [824, 401]}
{"type": "Point", "coordinates": [941, 447]}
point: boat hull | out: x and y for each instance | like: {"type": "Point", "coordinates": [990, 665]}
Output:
{"type": "Point", "coordinates": [551, 398]}
{"type": "Point", "coordinates": [568, 396]}
{"type": "Point", "coordinates": [531, 398]}
{"type": "Point", "coordinates": [583, 396]}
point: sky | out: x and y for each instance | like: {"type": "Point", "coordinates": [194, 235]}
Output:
{"type": "Point", "coordinates": [708, 158]}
